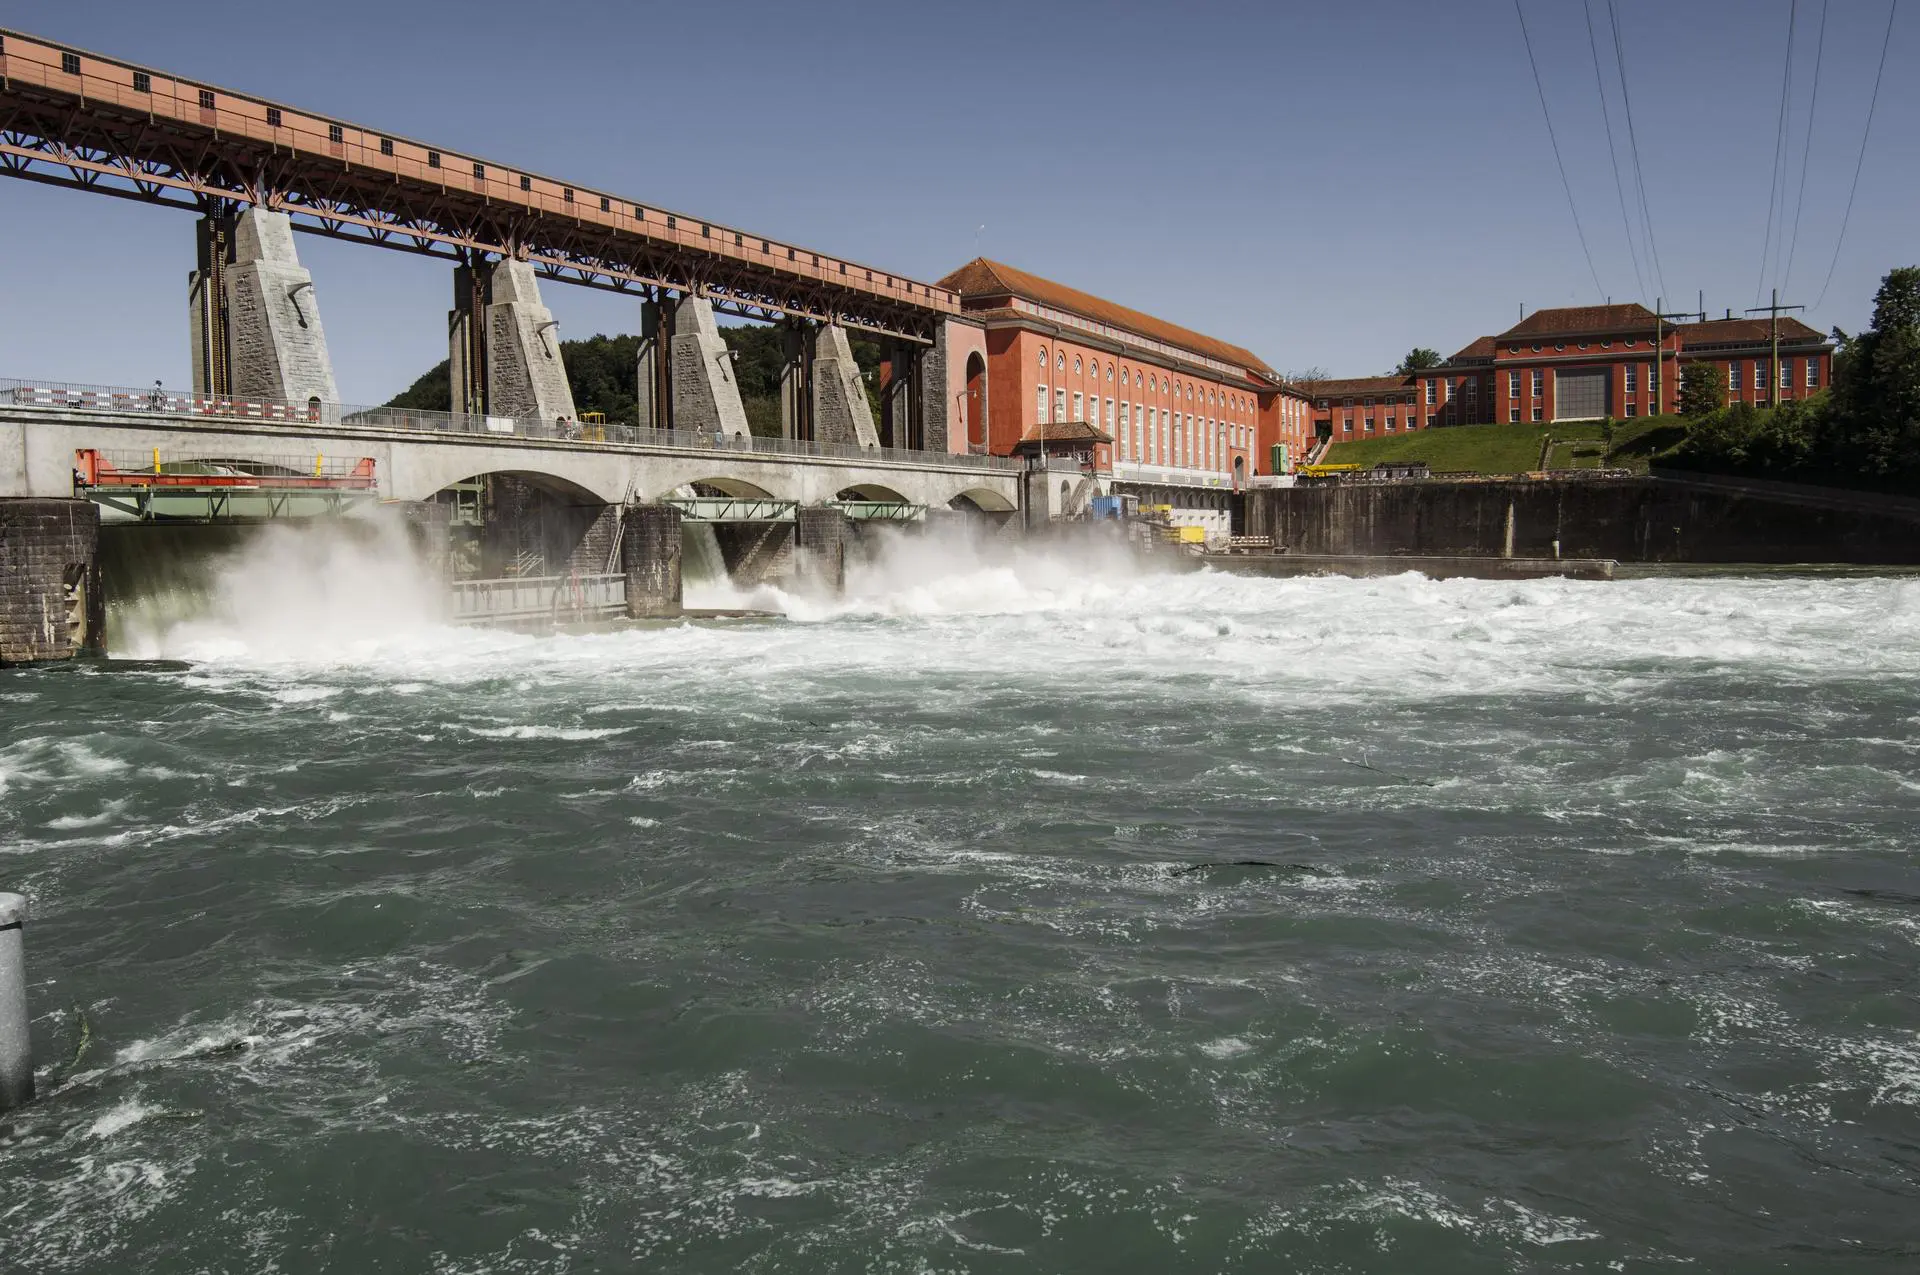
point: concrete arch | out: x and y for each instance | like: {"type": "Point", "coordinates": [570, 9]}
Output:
{"type": "Point", "coordinates": [983, 499]}
{"type": "Point", "coordinates": [561, 489]}
{"type": "Point", "coordinates": [711, 485]}
{"type": "Point", "coordinates": [416, 473]}
{"type": "Point", "coordinates": [872, 491]}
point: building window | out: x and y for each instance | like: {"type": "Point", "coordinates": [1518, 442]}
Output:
{"type": "Point", "coordinates": [70, 63]}
{"type": "Point", "coordinates": [606, 205]}
{"type": "Point", "coordinates": [1109, 371]}
{"type": "Point", "coordinates": [1369, 424]}
{"type": "Point", "coordinates": [1536, 413]}
{"type": "Point", "coordinates": [1109, 416]}
{"type": "Point", "coordinates": [335, 133]}
{"type": "Point", "coordinates": [1513, 416]}
{"type": "Point", "coordinates": [1346, 402]}
{"type": "Point", "coordinates": [1539, 381]}
{"type": "Point", "coordinates": [1633, 409]}
{"type": "Point", "coordinates": [1079, 408]}
{"type": "Point", "coordinates": [1629, 343]}
{"type": "Point", "coordinates": [1733, 375]}
{"type": "Point", "coordinates": [142, 82]}
{"type": "Point", "coordinates": [1043, 358]}
{"type": "Point", "coordinates": [1076, 365]}
{"type": "Point", "coordinates": [1040, 408]}
{"type": "Point", "coordinates": [1390, 424]}
{"type": "Point", "coordinates": [1786, 374]}
{"type": "Point", "coordinates": [1813, 374]}
{"type": "Point", "coordinates": [1060, 362]}
{"type": "Point", "coordinates": [273, 117]}
{"type": "Point", "coordinates": [206, 100]}
{"type": "Point", "coordinates": [1633, 379]}
{"type": "Point", "coordinates": [480, 175]}
{"type": "Point", "coordinates": [1513, 386]}
{"type": "Point", "coordinates": [1759, 375]}
{"type": "Point", "coordinates": [1060, 405]}
{"type": "Point", "coordinates": [566, 193]}
{"type": "Point", "coordinates": [386, 146]}
{"type": "Point", "coordinates": [433, 159]}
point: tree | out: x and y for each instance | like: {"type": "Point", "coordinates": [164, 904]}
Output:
{"type": "Point", "coordinates": [1702, 389]}
{"type": "Point", "coordinates": [1418, 359]}
{"type": "Point", "coordinates": [1874, 429]}
{"type": "Point", "coordinates": [1309, 380]}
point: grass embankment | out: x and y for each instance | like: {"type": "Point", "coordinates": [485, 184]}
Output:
{"type": "Point", "coordinates": [1515, 449]}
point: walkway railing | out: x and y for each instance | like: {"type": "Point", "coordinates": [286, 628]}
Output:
{"type": "Point", "coordinates": [538, 598]}
{"type": "Point", "coordinates": [193, 408]}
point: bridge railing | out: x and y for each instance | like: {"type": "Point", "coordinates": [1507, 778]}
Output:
{"type": "Point", "coordinates": [73, 397]}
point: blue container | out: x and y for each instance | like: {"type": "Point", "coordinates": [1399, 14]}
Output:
{"type": "Point", "coordinates": [1104, 507]}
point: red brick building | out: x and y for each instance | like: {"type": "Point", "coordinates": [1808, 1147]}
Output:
{"type": "Point", "coordinates": [1579, 363]}
{"type": "Point", "coordinates": [1187, 413]}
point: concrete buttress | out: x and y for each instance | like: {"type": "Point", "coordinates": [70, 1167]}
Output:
{"type": "Point", "coordinates": [841, 413]}
{"type": "Point", "coordinates": [650, 553]}
{"type": "Point", "coordinates": [820, 537]}
{"type": "Point", "coordinates": [525, 373]}
{"type": "Point", "coordinates": [706, 396]}
{"type": "Point", "coordinates": [278, 349]}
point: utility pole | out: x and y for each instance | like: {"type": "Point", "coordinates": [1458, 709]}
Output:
{"type": "Point", "coordinates": [1773, 336]}
{"type": "Point", "coordinates": [1660, 350]}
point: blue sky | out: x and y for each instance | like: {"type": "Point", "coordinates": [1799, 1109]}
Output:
{"type": "Point", "coordinates": [1326, 184]}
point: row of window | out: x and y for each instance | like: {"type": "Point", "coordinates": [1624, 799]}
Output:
{"type": "Point", "coordinates": [1150, 381]}
{"type": "Point", "coordinates": [1760, 374]}
{"type": "Point", "coordinates": [1153, 436]}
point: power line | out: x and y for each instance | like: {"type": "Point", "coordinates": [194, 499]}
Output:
{"type": "Point", "coordinates": [1613, 154]}
{"type": "Point", "coordinates": [1633, 141]}
{"type": "Point", "coordinates": [1813, 108]}
{"type": "Point", "coordinates": [1565, 185]}
{"type": "Point", "coordinates": [1865, 133]}
{"type": "Point", "coordinates": [1779, 152]}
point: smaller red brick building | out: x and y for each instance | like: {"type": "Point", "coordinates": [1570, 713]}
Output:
{"type": "Point", "coordinates": [1579, 363]}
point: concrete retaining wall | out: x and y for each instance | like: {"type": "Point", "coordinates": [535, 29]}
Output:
{"type": "Point", "coordinates": [50, 600]}
{"type": "Point", "coordinates": [1631, 520]}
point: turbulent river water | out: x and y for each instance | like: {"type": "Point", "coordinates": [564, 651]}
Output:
{"type": "Point", "coordinates": [909, 934]}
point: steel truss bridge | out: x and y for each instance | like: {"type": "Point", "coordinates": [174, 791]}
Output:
{"type": "Point", "coordinates": [73, 118]}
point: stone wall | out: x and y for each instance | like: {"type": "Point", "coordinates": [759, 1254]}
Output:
{"type": "Point", "coordinates": [525, 374]}
{"type": "Point", "coordinates": [706, 397]}
{"type": "Point", "coordinates": [50, 600]}
{"type": "Point", "coordinates": [755, 552]}
{"type": "Point", "coordinates": [1631, 520]}
{"type": "Point", "coordinates": [841, 413]}
{"type": "Point", "coordinates": [650, 552]}
{"type": "Point", "coordinates": [277, 346]}
{"type": "Point", "coordinates": [821, 537]}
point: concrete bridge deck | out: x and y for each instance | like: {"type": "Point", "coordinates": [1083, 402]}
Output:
{"type": "Point", "coordinates": [417, 454]}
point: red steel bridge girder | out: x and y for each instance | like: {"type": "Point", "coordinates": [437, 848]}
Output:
{"type": "Point", "coordinates": [92, 129]}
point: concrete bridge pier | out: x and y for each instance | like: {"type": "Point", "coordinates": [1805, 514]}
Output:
{"type": "Point", "coordinates": [706, 395]}
{"type": "Point", "coordinates": [820, 539]}
{"type": "Point", "coordinates": [841, 413]}
{"type": "Point", "coordinates": [256, 321]}
{"type": "Point", "coordinates": [796, 379]}
{"type": "Point", "coordinates": [650, 552]}
{"type": "Point", "coordinates": [897, 386]}
{"type": "Point", "coordinates": [51, 603]}
{"type": "Point", "coordinates": [653, 385]}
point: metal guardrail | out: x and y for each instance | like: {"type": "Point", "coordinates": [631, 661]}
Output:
{"type": "Point", "coordinates": [74, 397]}
{"type": "Point", "coordinates": [556, 598]}
{"type": "Point", "coordinates": [880, 511]}
{"type": "Point", "coordinates": [733, 508]}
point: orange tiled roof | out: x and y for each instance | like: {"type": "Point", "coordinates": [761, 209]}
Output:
{"type": "Point", "coordinates": [1360, 385]}
{"type": "Point", "coordinates": [984, 279]}
{"type": "Point", "coordinates": [1484, 348]}
{"type": "Point", "coordinates": [1583, 318]}
{"type": "Point", "coordinates": [1067, 432]}
{"type": "Point", "coordinates": [1755, 331]}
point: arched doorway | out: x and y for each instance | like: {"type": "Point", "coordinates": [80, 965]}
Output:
{"type": "Point", "coordinates": [974, 402]}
